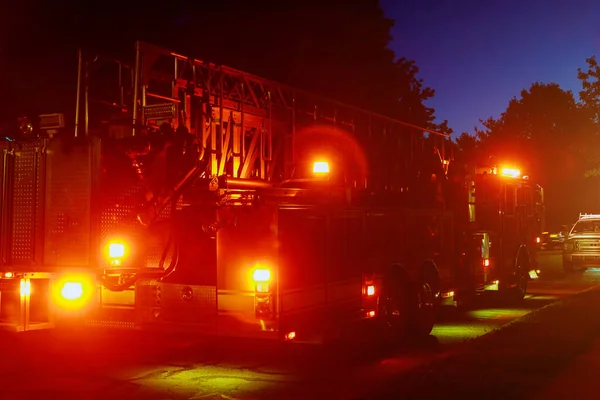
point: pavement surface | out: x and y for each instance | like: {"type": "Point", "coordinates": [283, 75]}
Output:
{"type": "Point", "coordinates": [581, 379]}
{"type": "Point", "coordinates": [121, 365]}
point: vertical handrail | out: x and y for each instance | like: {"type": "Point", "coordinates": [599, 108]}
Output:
{"type": "Point", "coordinates": [78, 103]}
{"type": "Point", "coordinates": [136, 83]}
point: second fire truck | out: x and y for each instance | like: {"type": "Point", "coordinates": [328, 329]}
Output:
{"type": "Point", "coordinates": [204, 199]}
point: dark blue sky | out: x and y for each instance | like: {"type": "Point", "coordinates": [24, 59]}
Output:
{"type": "Point", "coordinates": [477, 55]}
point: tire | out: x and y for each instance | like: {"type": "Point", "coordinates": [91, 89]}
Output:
{"type": "Point", "coordinates": [393, 308]}
{"type": "Point", "coordinates": [423, 313]}
{"type": "Point", "coordinates": [517, 292]}
{"type": "Point", "coordinates": [521, 289]}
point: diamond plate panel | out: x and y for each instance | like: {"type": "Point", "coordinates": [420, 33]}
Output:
{"type": "Point", "coordinates": [110, 324]}
{"type": "Point", "coordinates": [67, 222]}
{"type": "Point", "coordinates": [26, 190]}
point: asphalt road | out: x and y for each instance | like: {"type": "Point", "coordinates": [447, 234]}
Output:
{"type": "Point", "coordinates": [122, 365]}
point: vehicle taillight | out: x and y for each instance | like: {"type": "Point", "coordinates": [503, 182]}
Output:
{"type": "Point", "coordinates": [370, 290]}
{"type": "Point", "coordinates": [486, 262]}
{"type": "Point", "coordinates": [73, 291]}
{"type": "Point", "coordinates": [263, 297]}
{"type": "Point", "coordinates": [369, 299]}
{"type": "Point", "coordinates": [116, 252]}
{"type": "Point", "coordinates": [262, 280]}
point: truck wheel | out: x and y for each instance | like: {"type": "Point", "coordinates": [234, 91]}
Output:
{"type": "Point", "coordinates": [519, 290]}
{"type": "Point", "coordinates": [423, 312]}
{"type": "Point", "coordinates": [393, 310]}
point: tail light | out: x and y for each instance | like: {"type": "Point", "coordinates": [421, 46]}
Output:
{"type": "Point", "coordinates": [369, 298]}
{"type": "Point", "coordinates": [116, 252]}
{"type": "Point", "coordinates": [73, 291]}
{"type": "Point", "coordinates": [263, 296]}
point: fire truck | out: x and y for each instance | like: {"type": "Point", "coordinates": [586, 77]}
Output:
{"type": "Point", "coordinates": [197, 198]}
{"type": "Point", "coordinates": [504, 223]}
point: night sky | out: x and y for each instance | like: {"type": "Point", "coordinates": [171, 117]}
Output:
{"type": "Point", "coordinates": [477, 55]}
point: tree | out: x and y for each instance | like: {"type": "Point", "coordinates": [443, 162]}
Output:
{"type": "Point", "coordinates": [547, 134]}
{"type": "Point", "coordinates": [590, 93]}
{"type": "Point", "coordinates": [590, 104]}
{"type": "Point", "coordinates": [412, 94]}
{"type": "Point", "coordinates": [334, 48]}
{"type": "Point", "coordinates": [544, 131]}
{"type": "Point", "coordinates": [467, 145]}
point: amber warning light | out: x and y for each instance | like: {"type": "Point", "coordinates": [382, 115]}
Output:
{"type": "Point", "coordinates": [320, 168]}
{"type": "Point", "coordinates": [73, 291]}
{"type": "Point", "coordinates": [115, 252]}
{"type": "Point", "coordinates": [263, 304]}
{"type": "Point", "coordinates": [262, 279]}
{"type": "Point", "coordinates": [261, 275]}
{"type": "Point", "coordinates": [510, 172]}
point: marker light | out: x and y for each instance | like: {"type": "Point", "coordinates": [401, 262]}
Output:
{"type": "Point", "coordinates": [321, 167]}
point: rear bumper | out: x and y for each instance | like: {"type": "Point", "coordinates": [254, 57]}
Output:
{"type": "Point", "coordinates": [128, 319]}
{"type": "Point", "coordinates": [582, 258]}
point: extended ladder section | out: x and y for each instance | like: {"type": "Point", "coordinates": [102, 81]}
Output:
{"type": "Point", "coordinates": [252, 128]}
